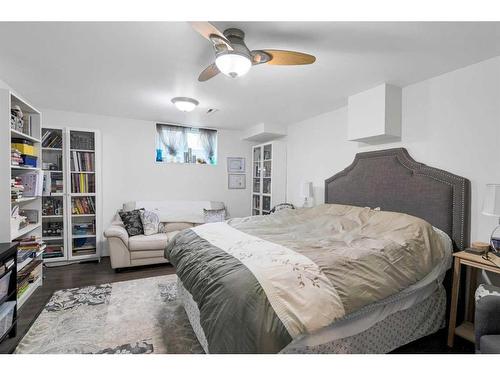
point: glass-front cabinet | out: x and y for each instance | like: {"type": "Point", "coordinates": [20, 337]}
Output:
{"type": "Point", "coordinates": [71, 200]}
{"type": "Point", "coordinates": [268, 177]}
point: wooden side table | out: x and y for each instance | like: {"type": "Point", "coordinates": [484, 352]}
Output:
{"type": "Point", "coordinates": [476, 262]}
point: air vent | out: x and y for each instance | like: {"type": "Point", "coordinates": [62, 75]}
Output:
{"type": "Point", "coordinates": [211, 111]}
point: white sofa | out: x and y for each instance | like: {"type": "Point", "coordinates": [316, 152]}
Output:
{"type": "Point", "coordinates": [126, 251]}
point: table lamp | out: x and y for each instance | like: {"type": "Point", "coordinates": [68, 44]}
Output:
{"type": "Point", "coordinates": [307, 194]}
{"type": "Point", "coordinates": [491, 207]}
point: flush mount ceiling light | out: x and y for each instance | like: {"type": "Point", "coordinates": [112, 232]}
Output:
{"type": "Point", "coordinates": [233, 64]}
{"type": "Point", "coordinates": [185, 104]}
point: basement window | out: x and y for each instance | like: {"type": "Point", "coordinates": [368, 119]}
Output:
{"type": "Point", "coordinates": [182, 144]}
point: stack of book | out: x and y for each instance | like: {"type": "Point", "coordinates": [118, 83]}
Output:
{"type": "Point", "coordinates": [82, 183]}
{"type": "Point", "coordinates": [15, 157]}
{"type": "Point", "coordinates": [53, 251]}
{"type": "Point", "coordinates": [16, 188]}
{"type": "Point", "coordinates": [33, 244]}
{"type": "Point", "coordinates": [52, 139]}
{"type": "Point", "coordinates": [28, 275]}
{"type": "Point", "coordinates": [52, 183]}
{"type": "Point", "coordinates": [82, 161]}
{"type": "Point", "coordinates": [84, 229]}
{"type": "Point", "coordinates": [83, 206]}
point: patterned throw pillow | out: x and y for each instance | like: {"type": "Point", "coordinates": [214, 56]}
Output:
{"type": "Point", "coordinates": [132, 222]}
{"type": "Point", "coordinates": [150, 222]}
{"type": "Point", "coordinates": [214, 216]}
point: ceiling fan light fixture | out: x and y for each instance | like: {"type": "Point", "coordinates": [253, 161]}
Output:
{"type": "Point", "coordinates": [233, 64]}
{"type": "Point", "coordinates": [185, 104]}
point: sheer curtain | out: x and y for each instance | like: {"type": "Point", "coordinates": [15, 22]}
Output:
{"type": "Point", "coordinates": [208, 139]}
{"type": "Point", "coordinates": [173, 139]}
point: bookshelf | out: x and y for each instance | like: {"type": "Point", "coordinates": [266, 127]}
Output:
{"type": "Point", "coordinates": [71, 216]}
{"type": "Point", "coordinates": [20, 188]}
{"type": "Point", "coordinates": [268, 177]}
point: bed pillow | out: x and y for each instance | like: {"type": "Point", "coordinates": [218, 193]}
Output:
{"type": "Point", "coordinates": [214, 216]}
{"type": "Point", "coordinates": [150, 222]}
{"type": "Point", "coordinates": [132, 222]}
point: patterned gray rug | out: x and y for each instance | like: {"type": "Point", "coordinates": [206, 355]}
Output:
{"type": "Point", "coordinates": [139, 317]}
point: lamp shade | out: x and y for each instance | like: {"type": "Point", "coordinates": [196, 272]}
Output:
{"type": "Point", "coordinates": [491, 205]}
{"type": "Point", "coordinates": [233, 64]}
{"type": "Point", "coordinates": [307, 190]}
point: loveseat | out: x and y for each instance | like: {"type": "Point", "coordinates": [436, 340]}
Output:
{"type": "Point", "coordinates": [129, 251]}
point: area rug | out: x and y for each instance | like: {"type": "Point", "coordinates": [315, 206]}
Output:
{"type": "Point", "coordinates": [139, 317]}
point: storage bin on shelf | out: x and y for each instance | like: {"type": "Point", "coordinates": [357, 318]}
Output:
{"type": "Point", "coordinates": [29, 160]}
{"type": "Point", "coordinates": [24, 146]}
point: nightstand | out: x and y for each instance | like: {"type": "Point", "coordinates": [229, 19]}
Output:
{"type": "Point", "coordinates": [475, 262]}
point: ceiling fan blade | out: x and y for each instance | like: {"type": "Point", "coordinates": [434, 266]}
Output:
{"type": "Point", "coordinates": [282, 57]}
{"type": "Point", "coordinates": [210, 32]}
{"type": "Point", "coordinates": [209, 72]}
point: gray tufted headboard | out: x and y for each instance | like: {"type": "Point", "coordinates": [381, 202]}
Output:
{"type": "Point", "coordinates": [392, 180]}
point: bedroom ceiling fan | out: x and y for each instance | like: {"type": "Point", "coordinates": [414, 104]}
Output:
{"type": "Point", "coordinates": [234, 59]}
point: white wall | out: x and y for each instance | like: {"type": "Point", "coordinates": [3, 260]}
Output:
{"type": "Point", "coordinates": [450, 122]}
{"type": "Point", "coordinates": [129, 171]}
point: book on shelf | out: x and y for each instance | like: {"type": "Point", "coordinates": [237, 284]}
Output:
{"type": "Point", "coordinates": [84, 228]}
{"type": "Point", "coordinates": [52, 139]}
{"type": "Point", "coordinates": [16, 188]}
{"type": "Point", "coordinates": [52, 183]}
{"type": "Point", "coordinates": [15, 158]}
{"type": "Point", "coordinates": [82, 161]}
{"type": "Point", "coordinates": [83, 206]}
{"type": "Point", "coordinates": [28, 124]}
{"type": "Point", "coordinates": [53, 251]}
{"type": "Point", "coordinates": [33, 243]}
{"type": "Point", "coordinates": [82, 183]}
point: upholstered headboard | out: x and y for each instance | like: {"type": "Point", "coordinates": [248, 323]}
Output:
{"type": "Point", "coordinates": [392, 180]}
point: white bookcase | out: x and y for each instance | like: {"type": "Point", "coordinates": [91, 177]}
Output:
{"type": "Point", "coordinates": [71, 204]}
{"type": "Point", "coordinates": [268, 177]}
{"type": "Point", "coordinates": [10, 231]}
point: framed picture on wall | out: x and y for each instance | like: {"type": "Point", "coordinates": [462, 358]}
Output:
{"type": "Point", "coordinates": [235, 165]}
{"type": "Point", "coordinates": [236, 181]}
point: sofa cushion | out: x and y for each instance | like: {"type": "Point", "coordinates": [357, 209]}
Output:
{"type": "Point", "coordinates": [147, 254]}
{"type": "Point", "coordinates": [141, 242]}
{"type": "Point", "coordinates": [172, 227]}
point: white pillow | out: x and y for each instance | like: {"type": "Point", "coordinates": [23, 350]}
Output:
{"type": "Point", "coordinates": [150, 222]}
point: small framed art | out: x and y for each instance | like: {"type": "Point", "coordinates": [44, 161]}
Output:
{"type": "Point", "coordinates": [236, 181]}
{"type": "Point", "coordinates": [235, 165]}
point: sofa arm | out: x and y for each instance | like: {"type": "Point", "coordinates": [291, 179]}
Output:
{"type": "Point", "coordinates": [117, 231]}
{"type": "Point", "coordinates": [487, 320]}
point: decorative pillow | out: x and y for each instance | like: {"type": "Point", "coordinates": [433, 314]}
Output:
{"type": "Point", "coordinates": [150, 222]}
{"type": "Point", "coordinates": [132, 222]}
{"type": "Point", "coordinates": [214, 216]}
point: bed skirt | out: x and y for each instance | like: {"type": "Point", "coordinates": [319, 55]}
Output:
{"type": "Point", "coordinates": [397, 329]}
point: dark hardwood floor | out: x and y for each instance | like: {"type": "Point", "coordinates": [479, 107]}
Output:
{"type": "Point", "coordinates": [93, 273]}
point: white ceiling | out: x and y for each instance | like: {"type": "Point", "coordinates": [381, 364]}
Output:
{"type": "Point", "coordinates": [134, 69]}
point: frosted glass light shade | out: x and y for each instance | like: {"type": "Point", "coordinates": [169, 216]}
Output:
{"type": "Point", "coordinates": [307, 190]}
{"type": "Point", "coordinates": [185, 104]}
{"type": "Point", "coordinates": [233, 65]}
{"type": "Point", "coordinates": [491, 204]}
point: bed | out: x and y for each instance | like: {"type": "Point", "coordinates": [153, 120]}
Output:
{"type": "Point", "coordinates": [362, 273]}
